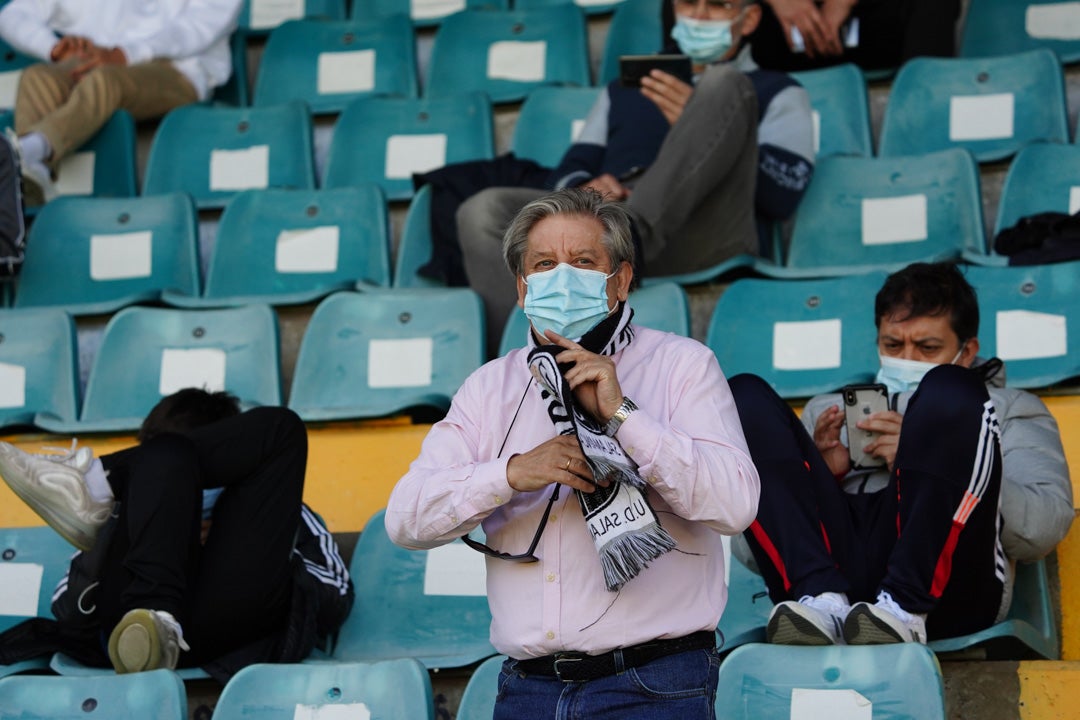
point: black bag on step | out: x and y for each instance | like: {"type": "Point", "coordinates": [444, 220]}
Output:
{"type": "Point", "coordinates": [12, 219]}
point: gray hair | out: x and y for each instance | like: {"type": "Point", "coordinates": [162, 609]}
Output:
{"type": "Point", "coordinates": [582, 202]}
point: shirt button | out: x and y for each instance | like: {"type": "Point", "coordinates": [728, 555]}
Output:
{"type": "Point", "coordinates": [651, 479]}
{"type": "Point", "coordinates": [453, 518]}
{"type": "Point", "coordinates": [553, 518]}
{"type": "Point", "coordinates": [550, 635]}
{"type": "Point", "coordinates": [551, 577]}
{"type": "Point", "coordinates": [630, 450]}
{"type": "Point", "coordinates": [498, 499]}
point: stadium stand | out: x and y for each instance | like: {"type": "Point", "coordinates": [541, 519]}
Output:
{"type": "Point", "coordinates": [841, 110]}
{"type": "Point", "coordinates": [328, 64]}
{"type": "Point", "coordinates": [414, 245]}
{"type": "Point", "coordinates": [261, 16]}
{"type": "Point", "coordinates": [386, 140]}
{"type": "Point", "coordinates": [38, 367]}
{"type": "Point", "coordinates": [478, 699]}
{"type": "Point", "coordinates": [1043, 177]}
{"type": "Point", "coordinates": [506, 54]}
{"type": "Point", "coordinates": [110, 253]}
{"type": "Point", "coordinates": [423, 13]}
{"type": "Point", "coordinates": [635, 30]}
{"type": "Point", "coordinates": [158, 694]}
{"type": "Point", "coordinates": [549, 122]}
{"type": "Point", "coordinates": [1002, 27]}
{"type": "Point", "coordinates": [591, 7]}
{"type": "Point", "coordinates": [285, 247]}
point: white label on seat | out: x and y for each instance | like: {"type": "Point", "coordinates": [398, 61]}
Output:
{"type": "Point", "coordinates": [1074, 200]}
{"type": "Point", "coordinates": [1060, 21]}
{"type": "Point", "coordinates": [346, 72]}
{"type": "Point", "coordinates": [576, 126]}
{"type": "Point", "coordinates": [894, 220]}
{"type": "Point", "coordinates": [589, 3]}
{"type": "Point", "coordinates": [809, 345]}
{"type": "Point", "coordinates": [12, 386]}
{"type": "Point", "coordinates": [121, 256]}
{"type": "Point", "coordinates": [430, 9]}
{"type": "Point", "coordinates": [455, 569]}
{"type": "Point", "coordinates": [310, 250]}
{"type": "Point", "coordinates": [20, 586]}
{"type": "Point", "coordinates": [271, 13]}
{"type": "Point", "coordinates": [981, 117]}
{"type": "Point", "coordinates": [815, 119]}
{"type": "Point", "coordinates": [812, 704]}
{"type": "Point", "coordinates": [75, 176]}
{"type": "Point", "coordinates": [192, 367]}
{"type": "Point", "coordinates": [408, 154]}
{"type": "Point", "coordinates": [517, 60]}
{"type": "Point", "coordinates": [340, 711]}
{"type": "Point", "coordinates": [240, 169]}
{"type": "Point", "coordinates": [9, 87]}
{"type": "Point", "coordinates": [1024, 335]}
{"type": "Point", "coordinates": [400, 363]}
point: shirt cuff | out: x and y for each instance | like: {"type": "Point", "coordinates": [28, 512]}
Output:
{"type": "Point", "coordinates": [639, 435]}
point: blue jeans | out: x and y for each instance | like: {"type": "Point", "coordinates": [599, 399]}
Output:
{"type": "Point", "coordinates": [677, 687]}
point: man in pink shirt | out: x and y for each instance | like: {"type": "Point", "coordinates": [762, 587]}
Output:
{"type": "Point", "coordinates": [606, 513]}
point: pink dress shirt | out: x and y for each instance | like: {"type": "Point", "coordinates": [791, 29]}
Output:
{"type": "Point", "coordinates": [688, 443]}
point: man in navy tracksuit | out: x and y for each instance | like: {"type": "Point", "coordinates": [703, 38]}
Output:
{"type": "Point", "coordinates": [706, 169]}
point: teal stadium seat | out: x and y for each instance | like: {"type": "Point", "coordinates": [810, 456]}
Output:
{"type": "Point", "coordinates": [286, 247]}
{"type": "Point", "coordinates": [991, 106]}
{"type": "Point", "coordinates": [663, 306]}
{"type": "Point", "coordinates": [328, 64]}
{"type": "Point", "coordinates": [508, 53]}
{"type": "Point", "coordinates": [478, 699]}
{"type": "Point", "coordinates": [1031, 320]}
{"type": "Point", "coordinates": [155, 694]}
{"type": "Point", "coordinates": [1043, 177]}
{"type": "Point", "coordinates": [748, 606]}
{"type": "Point", "coordinates": [96, 255]}
{"type": "Point", "coordinates": [841, 110]}
{"type": "Point", "coordinates": [12, 63]}
{"type": "Point", "coordinates": [391, 689]}
{"type": "Point", "coordinates": [414, 245]}
{"type": "Point", "coordinates": [212, 153]}
{"type": "Point", "coordinates": [235, 91]}
{"type": "Point", "coordinates": [386, 140]}
{"type": "Point", "coordinates": [635, 29]}
{"type": "Point", "coordinates": [259, 17]}
{"type": "Point", "coordinates": [427, 604]}
{"type": "Point", "coordinates": [778, 682]}
{"type": "Point", "coordinates": [380, 352]}
{"type": "Point", "coordinates": [549, 122]}
{"type": "Point", "coordinates": [38, 366]}
{"type": "Point", "coordinates": [591, 7]}
{"type": "Point", "coordinates": [861, 214]}
{"type": "Point", "coordinates": [804, 337]}
{"type": "Point", "coordinates": [1000, 27]}
{"type": "Point", "coordinates": [423, 13]}
{"type": "Point", "coordinates": [32, 561]}
{"type": "Point", "coordinates": [147, 353]}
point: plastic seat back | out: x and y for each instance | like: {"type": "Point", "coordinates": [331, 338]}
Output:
{"type": "Point", "coordinates": [294, 246]}
{"type": "Point", "coordinates": [95, 255]}
{"type": "Point", "coordinates": [862, 214]}
{"type": "Point", "coordinates": [213, 153]}
{"type": "Point", "coordinates": [478, 699]}
{"type": "Point", "coordinates": [390, 689]}
{"type": "Point", "coordinates": [427, 604]}
{"type": "Point", "coordinates": [380, 352]}
{"type": "Point", "coordinates": [1000, 27]}
{"type": "Point", "coordinates": [154, 694]}
{"type": "Point", "coordinates": [38, 366]}
{"type": "Point", "coordinates": [386, 140]}
{"type": "Point", "coordinates": [747, 611]}
{"type": "Point", "coordinates": [32, 562]}
{"type": "Point", "coordinates": [805, 337]}
{"type": "Point", "coordinates": [778, 682]}
{"type": "Point", "coordinates": [841, 110]}
{"type": "Point", "coordinates": [1031, 320]}
{"type": "Point", "coordinates": [258, 17]}
{"type": "Point", "coordinates": [147, 353]}
{"type": "Point", "coordinates": [991, 106]}
{"type": "Point", "coordinates": [635, 29]}
{"type": "Point", "coordinates": [105, 165]}
{"type": "Point", "coordinates": [549, 122]}
{"type": "Point", "coordinates": [328, 64]}
{"type": "Point", "coordinates": [423, 13]}
{"type": "Point", "coordinates": [414, 245]}
{"type": "Point", "coordinates": [1043, 177]}
{"type": "Point", "coordinates": [508, 53]}
{"type": "Point", "coordinates": [591, 7]}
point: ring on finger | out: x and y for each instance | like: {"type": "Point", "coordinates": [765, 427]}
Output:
{"type": "Point", "coordinates": [568, 461]}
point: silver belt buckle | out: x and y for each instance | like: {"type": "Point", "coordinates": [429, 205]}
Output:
{"type": "Point", "coordinates": [565, 657]}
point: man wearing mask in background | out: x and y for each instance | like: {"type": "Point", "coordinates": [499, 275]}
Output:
{"type": "Point", "coordinates": [611, 611]}
{"type": "Point", "coordinates": [706, 168]}
{"type": "Point", "coordinates": [972, 480]}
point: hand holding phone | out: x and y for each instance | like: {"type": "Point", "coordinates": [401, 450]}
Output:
{"type": "Point", "coordinates": [860, 402]}
{"type": "Point", "coordinates": [634, 67]}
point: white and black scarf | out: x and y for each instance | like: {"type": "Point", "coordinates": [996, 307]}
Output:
{"type": "Point", "coordinates": [624, 527]}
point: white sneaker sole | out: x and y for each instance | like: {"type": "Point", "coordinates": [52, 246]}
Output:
{"type": "Point", "coordinates": [788, 627]}
{"type": "Point", "coordinates": [864, 627]}
{"type": "Point", "coordinates": [135, 643]}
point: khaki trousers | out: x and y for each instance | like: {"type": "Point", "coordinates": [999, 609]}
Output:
{"type": "Point", "coordinates": [69, 113]}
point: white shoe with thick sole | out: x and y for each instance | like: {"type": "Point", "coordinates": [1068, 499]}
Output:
{"type": "Point", "coordinates": [146, 640]}
{"type": "Point", "coordinates": [813, 620]}
{"type": "Point", "coordinates": [883, 623]}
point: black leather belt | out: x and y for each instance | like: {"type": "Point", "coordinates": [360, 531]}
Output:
{"type": "Point", "coordinates": [571, 666]}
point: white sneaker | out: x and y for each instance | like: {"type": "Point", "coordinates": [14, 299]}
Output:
{"type": "Point", "coordinates": [882, 623]}
{"type": "Point", "coordinates": [146, 640]}
{"type": "Point", "coordinates": [38, 185]}
{"type": "Point", "coordinates": [53, 486]}
{"type": "Point", "coordinates": [813, 620]}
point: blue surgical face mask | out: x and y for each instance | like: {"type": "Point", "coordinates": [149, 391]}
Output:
{"type": "Point", "coordinates": [900, 375]}
{"type": "Point", "coordinates": [705, 41]}
{"type": "Point", "coordinates": [566, 299]}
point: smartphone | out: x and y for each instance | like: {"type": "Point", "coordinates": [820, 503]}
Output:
{"type": "Point", "coordinates": [849, 33]}
{"type": "Point", "coordinates": [634, 67]}
{"type": "Point", "coordinates": [861, 401]}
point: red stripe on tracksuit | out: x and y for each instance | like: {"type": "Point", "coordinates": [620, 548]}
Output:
{"type": "Point", "coordinates": [770, 550]}
{"type": "Point", "coordinates": [944, 564]}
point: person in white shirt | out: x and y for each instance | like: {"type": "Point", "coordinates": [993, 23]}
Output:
{"type": "Point", "coordinates": [143, 57]}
